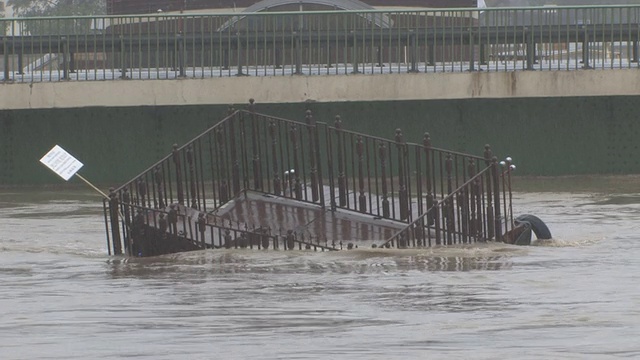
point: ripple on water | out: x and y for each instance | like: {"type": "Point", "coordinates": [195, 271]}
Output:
{"type": "Point", "coordinates": [572, 297]}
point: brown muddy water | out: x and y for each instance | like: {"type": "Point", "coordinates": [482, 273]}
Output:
{"type": "Point", "coordinates": [575, 297]}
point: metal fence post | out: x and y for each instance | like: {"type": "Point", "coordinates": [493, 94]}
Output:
{"type": "Point", "coordinates": [472, 53]}
{"type": "Point", "coordinates": [239, 53]}
{"type": "Point", "coordinates": [311, 126]}
{"type": "Point", "coordinates": [276, 55]}
{"type": "Point", "coordinates": [5, 51]}
{"type": "Point", "coordinates": [448, 211]}
{"type": "Point", "coordinates": [181, 55]}
{"type": "Point", "coordinates": [175, 155]}
{"type": "Point", "coordinates": [426, 144]}
{"type": "Point", "coordinates": [106, 222]}
{"type": "Point", "coordinates": [414, 52]}
{"type": "Point", "coordinates": [354, 52]}
{"type": "Point", "coordinates": [115, 229]}
{"type": "Point", "coordinates": [489, 188]}
{"type": "Point", "coordinates": [360, 152]}
{"type": "Point", "coordinates": [72, 62]}
{"type": "Point", "coordinates": [531, 49]}
{"type": "Point", "coordinates": [235, 164]}
{"type": "Point", "coordinates": [585, 49]}
{"type": "Point", "coordinates": [382, 152]}
{"type": "Point", "coordinates": [65, 55]}
{"type": "Point", "coordinates": [192, 177]}
{"type": "Point", "coordinates": [318, 153]}
{"type": "Point", "coordinates": [402, 187]}
{"type": "Point", "coordinates": [431, 54]}
{"type": "Point", "coordinates": [298, 52]}
{"type": "Point", "coordinates": [123, 59]}
{"type": "Point", "coordinates": [342, 182]}
{"type": "Point", "coordinates": [277, 184]}
{"type": "Point", "coordinates": [225, 59]}
{"type": "Point", "coordinates": [297, 187]}
{"type": "Point", "coordinates": [20, 62]}
{"type": "Point", "coordinates": [126, 205]}
{"type": "Point", "coordinates": [495, 174]}
{"type": "Point", "coordinates": [255, 161]}
{"type": "Point", "coordinates": [483, 51]}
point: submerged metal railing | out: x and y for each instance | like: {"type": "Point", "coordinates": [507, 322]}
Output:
{"type": "Point", "coordinates": [163, 46]}
{"type": "Point", "coordinates": [454, 196]}
{"type": "Point", "coordinates": [478, 210]}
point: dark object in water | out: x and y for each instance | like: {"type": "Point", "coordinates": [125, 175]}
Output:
{"type": "Point", "coordinates": [526, 225]}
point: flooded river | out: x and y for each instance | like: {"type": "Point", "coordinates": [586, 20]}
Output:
{"type": "Point", "coordinates": [576, 297]}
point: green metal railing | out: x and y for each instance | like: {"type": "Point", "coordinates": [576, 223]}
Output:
{"type": "Point", "coordinates": [162, 46]}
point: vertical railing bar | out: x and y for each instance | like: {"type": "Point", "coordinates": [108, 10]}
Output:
{"type": "Point", "coordinates": [215, 168]}
{"type": "Point", "coordinates": [443, 41]}
{"type": "Point", "coordinates": [389, 158]}
{"type": "Point", "coordinates": [504, 200]}
{"type": "Point", "coordinates": [354, 173]}
{"type": "Point", "coordinates": [572, 39]}
{"type": "Point", "coordinates": [374, 144]}
{"type": "Point", "coordinates": [451, 39]}
{"type": "Point", "coordinates": [226, 51]}
{"type": "Point", "coordinates": [282, 126]}
{"type": "Point", "coordinates": [265, 166]}
{"type": "Point", "coordinates": [202, 202]}
{"type": "Point", "coordinates": [229, 159]}
{"type": "Point", "coordinates": [186, 178]}
{"type": "Point", "coordinates": [418, 172]}
{"type": "Point", "coordinates": [166, 182]}
{"type": "Point", "coordinates": [372, 194]}
{"type": "Point", "coordinates": [442, 192]}
{"type": "Point", "coordinates": [390, 48]}
{"type": "Point", "coordinates": [618, 44]}
{"type": "Point", "coordinates": [211, 60]}
{"type": "Point", "coordinates": [329, 146]}
{"type": "Point", "coordinates": [191, 36]}
{"type": "Point", "coordinates": [302, 132]}
{"type": "Point", "coordinates": [147, 187]}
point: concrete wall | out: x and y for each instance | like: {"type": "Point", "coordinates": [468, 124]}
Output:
{"type": "Point", "coordinates": [557, 123]}
{"type": "Point", "coordinates": [291, 89]}
{"type": "Point", "coordinates": [545, 136]}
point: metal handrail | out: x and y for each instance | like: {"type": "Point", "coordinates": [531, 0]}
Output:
{"type": "Point", "coordinates": [322, 12]}
{"type": "Point", "coordinates": [333, 168]}
{"type": "Point", "coordinates": [420, 221]}
{"type": "Point", "coordinates": [168, 46]}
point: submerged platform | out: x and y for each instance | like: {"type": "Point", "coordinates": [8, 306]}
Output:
{"type": "Point", "coordinates": [310, 221]}
{"type": "Point", "coordinates": [257, 220]}
{"type": "Point", "coordinates": [258, 181]}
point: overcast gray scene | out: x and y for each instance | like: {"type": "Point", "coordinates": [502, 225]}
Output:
{"type": "Point", "coordinates": [184, 182]}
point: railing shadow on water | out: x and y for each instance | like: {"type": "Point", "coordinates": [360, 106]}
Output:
{"type": "Point", "coordinates": [170, 46]}
{"type": "Point", "coordinates": [440, 197]}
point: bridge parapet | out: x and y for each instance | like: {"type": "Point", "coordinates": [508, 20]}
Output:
{"type": "Point", "coordinates": [319, 43]}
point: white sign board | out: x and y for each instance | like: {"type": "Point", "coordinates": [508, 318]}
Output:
{"type": "Point", "coordinates": [61, 162]}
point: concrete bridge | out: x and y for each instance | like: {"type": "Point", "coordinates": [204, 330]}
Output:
{"type": "Point", "coordinates": [560, 97]}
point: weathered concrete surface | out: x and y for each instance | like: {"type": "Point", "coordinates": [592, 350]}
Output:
{"type": "Point", "coordinates": [331, 88]}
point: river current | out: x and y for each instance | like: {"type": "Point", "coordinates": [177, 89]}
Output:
{"type": "Point", "coordinates": [573, 297]}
